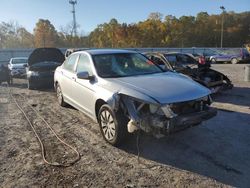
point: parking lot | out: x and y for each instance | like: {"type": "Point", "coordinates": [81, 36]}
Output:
{"type": "Point", "coordinates": [213, 154]}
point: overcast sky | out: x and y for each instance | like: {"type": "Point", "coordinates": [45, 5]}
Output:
{"type": "Point", "coordinates": [90, 13]}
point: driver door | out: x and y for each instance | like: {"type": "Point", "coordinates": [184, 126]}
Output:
{"type": "Point", "coordinates": [84, 90]}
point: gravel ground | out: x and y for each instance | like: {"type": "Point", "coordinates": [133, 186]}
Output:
{"type": "Point", "coordinates": [215, 154]}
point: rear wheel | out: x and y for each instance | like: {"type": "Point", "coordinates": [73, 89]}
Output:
{"type": "Point", "coordinates": [213, 60]}
{"type": "Point", "coordinates": [59, 96]}
{"type": "Point", "coordinates": [30, 86]}
{"type": "Point", "coordinates": [234, 61]}
{"type": "Point", "coordinates": [112, 125]}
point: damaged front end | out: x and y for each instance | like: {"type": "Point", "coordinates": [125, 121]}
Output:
{"type": "Point", "coordinates": [212, 79]}
{"type": "Point", "coordinates": [164, 119]}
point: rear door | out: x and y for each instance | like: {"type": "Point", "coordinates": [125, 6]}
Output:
{"type": "Point", "coordinates": [68, 77]}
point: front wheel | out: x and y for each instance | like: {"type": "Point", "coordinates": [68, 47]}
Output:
{"type": "Point", "coordinates": [112, 125]}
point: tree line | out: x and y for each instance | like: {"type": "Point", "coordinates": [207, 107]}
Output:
{"type": "Point", "coordinates": [202, 30]}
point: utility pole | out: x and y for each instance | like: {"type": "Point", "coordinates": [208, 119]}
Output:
{"type": "Point", "coordinates": [73, 3]}
{"type": "Point", "coordinates": [222, 25]}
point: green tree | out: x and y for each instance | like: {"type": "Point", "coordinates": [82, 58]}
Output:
{"type": "Point", "coordinates": [45, 34]}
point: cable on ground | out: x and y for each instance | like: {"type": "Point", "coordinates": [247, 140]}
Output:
{"type": "Point", "coordinates": [43, 151]}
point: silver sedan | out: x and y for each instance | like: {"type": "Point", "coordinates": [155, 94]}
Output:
{"type": "Point", "coordinates": [124, 91]}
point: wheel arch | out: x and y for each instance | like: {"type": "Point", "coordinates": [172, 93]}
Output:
{"type": "Point", "coordinates": [55, 84]}
{"type": "Point", "coordinates": [98, 105]}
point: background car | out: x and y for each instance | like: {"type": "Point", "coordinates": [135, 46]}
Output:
{"type": "Point", "coordinates": [124, 91]}
{"type": "Point", "coordinates": [245, 55]}
{"type": "Point", "coordinates": [17, 66]}
{"type": "Point", "coordinates": [199, 71]}
{"type": "Point", "coordinates": [222, 56]}
{"type": "Point", "coordinates": [5, 74]}
{"type": "Point", "coordinates": [42, 63]}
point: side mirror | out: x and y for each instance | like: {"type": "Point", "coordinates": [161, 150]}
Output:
{"type": "Point", "coordinates": [25, 65]}
{"type": "Point", "coordinates": [84, 75]}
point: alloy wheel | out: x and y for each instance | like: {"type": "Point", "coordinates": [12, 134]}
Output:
{"type": "Point", "coordinates": [108, 125]}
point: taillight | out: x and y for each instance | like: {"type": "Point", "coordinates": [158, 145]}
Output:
{"type": "Point", "coordinates": [202, 60]}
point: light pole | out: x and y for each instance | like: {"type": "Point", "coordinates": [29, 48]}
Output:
{"type": "Point", "coordinates": [73, 3]}
{"type": "Point", "coordinates": [222, 25]}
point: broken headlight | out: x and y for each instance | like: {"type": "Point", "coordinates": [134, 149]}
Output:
{"type": "Point", "coordinates": [168, 112]}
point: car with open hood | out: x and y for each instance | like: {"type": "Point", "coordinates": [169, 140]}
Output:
{"type": "Point", "coordinates": [124, 91]}
{"type": "Point", "coordinates": [42, 63]}
{"type": "Point", "coordinates": [200, 71]}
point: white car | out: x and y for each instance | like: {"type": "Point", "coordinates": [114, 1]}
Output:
{"type": "Point", "coordinates": [17, 66]}
{"type": "Point", "coordinates": [124, 91]}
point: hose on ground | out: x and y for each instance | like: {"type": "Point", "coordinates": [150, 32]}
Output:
{"type": "Point", "coordinates": [43, 151]}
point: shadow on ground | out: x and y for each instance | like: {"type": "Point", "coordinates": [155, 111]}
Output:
{"type": "Point", "coordinates": [22, 84]}
{"type": "Point", "coordinates": [219, 149]}
{"type": "Point", "coordinates": [237, 96]}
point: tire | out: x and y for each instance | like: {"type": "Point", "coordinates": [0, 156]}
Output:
{"type": "Point", "coordinates": [113, 125]}
{"type": "Point", "coordinates": [213, 60]}
{"type": "Point", "coordinates": [30, 86]}
{"type": "Point", "coordinates": [59, 96]}
{"type": "Point", "coordinates": [11, 80]}
{"type": "Point", "coordinates": [234, 61]}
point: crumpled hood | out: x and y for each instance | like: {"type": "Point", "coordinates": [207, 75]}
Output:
{"type": "Point", "coordinates": [164, 88]}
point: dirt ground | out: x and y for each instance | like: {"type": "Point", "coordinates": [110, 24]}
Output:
{"type": "Point", "coordinates": [214, 154]}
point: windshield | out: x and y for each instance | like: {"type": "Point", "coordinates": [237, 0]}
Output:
{"type": "Point", "coordinates": [19, 61]}
{"type": "Point", "coordinates": [123, 64]}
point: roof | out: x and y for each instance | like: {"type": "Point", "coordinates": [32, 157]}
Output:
{"type": "Point", "coordinates": [107, 51]}
{"type": "Point", "coordinates": [19, 58]}
{"type": "Point", "coordinates": [173, 53]}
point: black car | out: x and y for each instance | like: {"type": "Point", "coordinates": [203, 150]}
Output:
{"type": "Point", "coordinates": [188, 65]}
{"type": "Point", "coordinates": [5, 75]}
{"type": "Point", "coordinates": [41, 67]}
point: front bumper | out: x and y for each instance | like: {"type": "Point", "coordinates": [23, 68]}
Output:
{"type": "Point", "coordinates": [18, 72]}
{"type": "Point", "coordinates": [184, 121]}
{"type": "Point", "coordinates": [160, 124]}
{"type": "Point", "coordinates": [41, 81]}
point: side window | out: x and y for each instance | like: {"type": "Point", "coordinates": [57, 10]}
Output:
{"type": "Point", "coordinates": [172, 59]}
{"type": "Point", "coordinates": [84, 64]}
{"type": "Point", "coordinates": [70, 62]}
{"type": "Point", "coordinates": [182, 59]}
{"type": "Point", "coordinates": [157, 60]}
